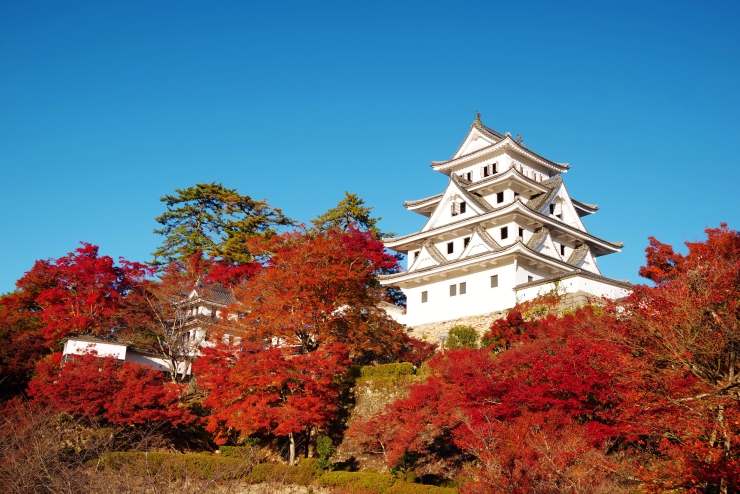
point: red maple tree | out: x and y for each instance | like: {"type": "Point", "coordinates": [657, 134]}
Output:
{"type": "Point", "coordinates": [256, 390]}
{"type": "Point", "coordinates": [95, 388]}
{"type": "Point", "coordinates": [320, 288]}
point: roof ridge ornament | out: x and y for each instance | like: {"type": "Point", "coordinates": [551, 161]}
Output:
{"type": "Point", "coordinates": [477, 122]}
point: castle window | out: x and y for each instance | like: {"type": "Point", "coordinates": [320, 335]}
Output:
{"type": "Point", "coordinates": [562, 249]}
{"type": "Point", "coordinates": [504, 233]}
{"type": "Point", "coordinates": [424, 297]}
{"type": "Point", "coordinates": [499, 197]}
{"type": "Point", "coordinates": [521, 233]}
{"type": "Point", "coordinates": [453, 290]}
{"type": "Point", "coordinates": [494, 168]}
{"type": "Point", "coordinates": [552, 208]}
{"type": "Point", "coordinates": [494, 281]}
{"type": "Point", "coordinates": [463, 288]}
{"type": "Point", "coordinates": [530, 279]}
{"type": "Point", "coordinates": [469, 176]}
{"type": "Point", "coordinates": [484, 171]}
{"type": "Point", "coordinates": [466, 241]}
{"type": "Point", "coordinates": [450, 247]}
{"type": "Point", "coordinates": [416, 255]}
{"type": "Point", "coordinates": [463, 207]}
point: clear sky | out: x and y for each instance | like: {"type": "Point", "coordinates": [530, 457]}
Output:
{"type": "Point", "coordinates": [107, 106]}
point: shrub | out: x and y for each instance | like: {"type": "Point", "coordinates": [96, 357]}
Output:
{"type": "Point", "coordinates": [462, 336]}
{"type": "Point", "coordinates": [200, 466]}
{"type": "Point", "coordinates": [240, 451]}
{"type": "Point", "coordinates": [325, 450]}
{"type": "Point", "coordinates": [386, 371]}
{"type": "Point", "coordinates": [376, 482]}
{"type": "Point", "coordinates": [405, 488]}
{"type": "Point", "coordinates": [269, 472]}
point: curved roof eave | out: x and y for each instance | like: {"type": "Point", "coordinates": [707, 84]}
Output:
{"type": "Point", "coordinates": [397, 241]}
{"type": "Point", "coordinates": [506, 141]}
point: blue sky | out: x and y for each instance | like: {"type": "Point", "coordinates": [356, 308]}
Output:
{"type": "Point", "coordinates": [107, 106]}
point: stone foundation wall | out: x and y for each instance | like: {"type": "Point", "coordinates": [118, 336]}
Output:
{"type": "Point", "coordinates": [430, 332]}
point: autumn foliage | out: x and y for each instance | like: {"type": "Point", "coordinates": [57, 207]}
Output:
{"type": "Point", "coordinates": [643, 392]}
{"type": "Point", "coordinates": [95, 388]}
{"type": "Point", "coordinates": [320, 288]}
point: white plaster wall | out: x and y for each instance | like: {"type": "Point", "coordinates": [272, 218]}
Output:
{"type": "Point", "coordinates": [572, 285]}
{"type": "Point", "coordinates": [155, 363]}
{"type": "Point", "coordinates": [479, 299]}
{"type": "Point", "coordinates": [75, 347]}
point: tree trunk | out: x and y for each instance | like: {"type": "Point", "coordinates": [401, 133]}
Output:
{"type": "Point", "coordinates": [291, 461]}
{"type": "Point", "coordinates": [308, 441]}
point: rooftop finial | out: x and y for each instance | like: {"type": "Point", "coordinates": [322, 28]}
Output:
{"type": "Point", "coordinates": [477, 119]}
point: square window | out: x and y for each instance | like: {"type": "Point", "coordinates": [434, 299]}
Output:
{"type": "Point", "coordinates": [494, 281]}
{"type": "Point", "coordinates": [453, 290]}
{"type": "Point", "coordinates": [499, 197]}
{"type": "Point", "coordinates": [466, 241]}
{"type": "Point", "coordinates": [450, 247]}
{"type": "Point", "coordinates": [469, 176]}
{"type": "Point", "coordinates": [521, 233]}
{"type": "Point", "coordinates": [504, 233]}
{"type": "Point", "coordinates": [494, 167]}
{"type": "Point", "coordinates": [463, 288]}
{"type": "Point", "coordinates": [530, 279]}
{"type": "Point", "coordinates": [424, 297]}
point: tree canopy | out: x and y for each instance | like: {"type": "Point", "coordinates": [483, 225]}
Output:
{"type": "Point", "coordinates": [349, 212]}
{"type": "Point", "coordinates": [215, 220]}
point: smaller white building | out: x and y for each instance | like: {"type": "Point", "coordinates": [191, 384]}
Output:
{"type": "Point", "coordinates": [113, 347]}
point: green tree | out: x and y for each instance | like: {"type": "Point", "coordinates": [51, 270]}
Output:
{"type": "Point", "coordinates": [350, 210]}
{"type": "Point", "coordinates": [215, 220]}
{"type": "Point", "coordinates": [463, 336]}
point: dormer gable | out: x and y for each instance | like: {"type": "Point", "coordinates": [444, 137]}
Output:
{"type": "Point", "coordinates": [456, 204]}
{"type": "Point", "coordinates": [582, 258]}
{"type": "Point", "coordinates": [557, 204]}
{"type": "Point", "coordinates": [480, 242]}
{"type": "Point", "coordinates": [428, 256]}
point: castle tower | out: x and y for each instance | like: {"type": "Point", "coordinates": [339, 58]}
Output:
{"type": "Point", "coordinates": [504, 229]}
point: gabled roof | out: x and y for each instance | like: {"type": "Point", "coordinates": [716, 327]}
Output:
{"type": "Point", "coordinates": [506, 141]}
{"type": "Point", "coordinates": [485, 131]}
{"type": "Point", "coordinates": [538, 201]}
{"type": "Point", "coordinates": [539, 236]}
{"type": "Point", "coordinates": [212, 293]}
{"type": "Point", "coordinates": [578, 254]}
{"type": "Point", "coordinates": [474, 198]}
{"type": "Point", "coordinates": [487, 238]}
{"type": "Point", "coordinates": [434, 251]}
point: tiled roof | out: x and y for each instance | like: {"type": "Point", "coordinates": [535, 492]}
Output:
{"type": "Point", "coordinates": [577, 272]}
{"type": "Point", "coordinates": [487, 238]}
{"type": "Point", "coordinates": [544, 217]}
{"type": "Point", "coordinates": [583, 205]}
{"type": "Point", "coordinates": [416, 202]}
{"type": "Point", "coordinates": [539, 236]}
{"type": "Point", "coordinates": [434, 252]}
{"type": "Point", "coordinates": [538, 201]}
{"type": "Point", "coordinates": [578, 254]}
{"type": "Point", "coordinates": [214, 294]}
{"type": "Point", "coordinates": [474, 198]}
{"type": "Point", "coordinates": [474, 256]}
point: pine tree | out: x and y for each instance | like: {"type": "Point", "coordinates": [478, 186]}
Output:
{"type": "Point", "coordinates": [215, 220]}
{"type": "Point", "coordinates": [349, 211]}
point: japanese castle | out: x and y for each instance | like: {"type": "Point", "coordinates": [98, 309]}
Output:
{"type": "Point", "coordinates": [504, 230]}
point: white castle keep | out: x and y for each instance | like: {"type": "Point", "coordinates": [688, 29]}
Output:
{"type": "Point", "coordinates": [504, 230]}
